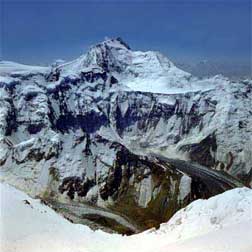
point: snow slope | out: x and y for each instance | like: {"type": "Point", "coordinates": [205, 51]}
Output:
{"type": "Point", "coordinates": [11, 68]}
{"type": "Point", "coordinates": [220, 224]}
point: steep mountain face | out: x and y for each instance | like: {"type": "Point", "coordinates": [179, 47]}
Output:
{"type": "Point", "coordinates": [90, 132]}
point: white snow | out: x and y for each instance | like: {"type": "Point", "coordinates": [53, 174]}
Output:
{"type": "Point", "coordinates": [145, 191]}
{"type": "Point", "coordinates": [6, 79]}
{"type": "Point", "coordinates": [220, 224]}
{"type": "Point", "coordinates": [184, 186]}
{"type": "Point", "coordinates": [9, 67]}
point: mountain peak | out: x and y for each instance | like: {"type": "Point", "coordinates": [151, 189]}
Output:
{"type": "Point", "coordinates": [148, 71]}
{"type": "Point", "coordinates": [110, 55]}
{"type": "Point", "coordinates": [115, 42]}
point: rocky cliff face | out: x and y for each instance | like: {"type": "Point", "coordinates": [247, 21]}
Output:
{"type": "Point", "coordinates": [83, 132]}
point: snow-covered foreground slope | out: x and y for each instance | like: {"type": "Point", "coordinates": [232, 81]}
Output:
{"type": "Point", "coordinates": [220, 224]}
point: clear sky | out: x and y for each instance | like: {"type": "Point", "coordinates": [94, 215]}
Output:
{"type": "Point", "coordinates": [187, 30]}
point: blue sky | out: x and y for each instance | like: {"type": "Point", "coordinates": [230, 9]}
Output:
{"type": "Point", "coordinates": [42, 31]}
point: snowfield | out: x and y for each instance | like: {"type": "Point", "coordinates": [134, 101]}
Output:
{"type": "Point", "coordinates": [8, 67]}
{"type": "Point", "coordinates": [221, 224]}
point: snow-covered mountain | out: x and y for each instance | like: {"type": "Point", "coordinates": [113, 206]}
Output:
{"type": "Point", "coordinates": [221, 223]}
{"type": "Point", "coordinates": [90, 131]}
{"type": "Point", "coordinates": [139, 71]}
